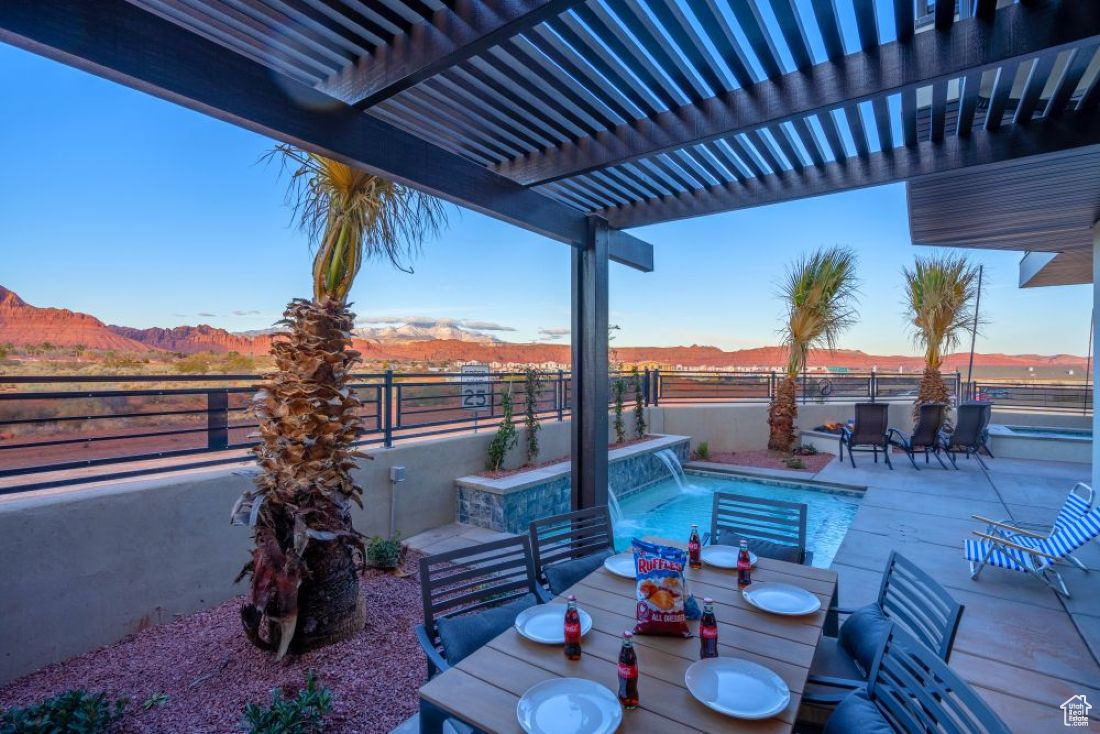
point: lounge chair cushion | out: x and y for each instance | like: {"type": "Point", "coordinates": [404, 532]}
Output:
{"type": "Point", "coordinates": [563, 574]}
{"type": "Point", "coordinates": [863, 634]}
{"type": "Point", "coordinates": [857, 713]}
{"type": "Point", "coordinates": [465, 633]}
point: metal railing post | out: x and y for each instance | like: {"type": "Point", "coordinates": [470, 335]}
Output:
{"type": "Point", "coordinates": [387, 422]}
{"type": "Point", "coordinates": [645, 387]}
{"type": "Point", "coordinates": [217, 420]}
{"type": "Point", "coordinates": [872, 386]}
{"type": "Point", "coordinates": [656, 386]}
{"type": "Point", "coordinates": [771, 386]}
{"type": "Point", "coordinates": [559, 395]}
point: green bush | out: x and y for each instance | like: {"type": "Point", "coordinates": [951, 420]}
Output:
{"type": "Point", "coordinates": [793, 462]}
{"type": "Point", "coordinates": [639, 403]}
{"type": "Point", "coordinates": [506, 439]}
{"type": "Point", "coordinates": [619, 389]}
{"type": "Point", "coordinates": [384, 552]}
{"type": "Point", "coordinates": [71, 712]}
{"type": "Point", "coordinates": [805, 450]}
{"type": "Point", "coordinates": [301, 715]}
{"type": "Point", "coordinates": [532, 385]}
{"type": "Point", "coordinates": [702, 451]}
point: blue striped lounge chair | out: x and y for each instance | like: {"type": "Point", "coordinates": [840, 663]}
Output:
{"type": "Point", "coordinates": [1027, 552]}
{"type": "Point", "coordinates": [1078, 502]}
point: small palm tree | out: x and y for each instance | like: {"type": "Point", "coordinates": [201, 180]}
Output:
{"type": "Point", "coordinates": [305, 585]}
{"type": "Point", "coordinates": [940, 294]}
{"type": "Point", "coordinates": [819, 292]}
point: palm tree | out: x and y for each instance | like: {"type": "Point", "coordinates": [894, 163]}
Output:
{"type": "Point", "coordinates": [819, 292]}
{"type": "Point", "coordinates": [940, 293]}
{"type": "Point", "coordinates": [305, 585]}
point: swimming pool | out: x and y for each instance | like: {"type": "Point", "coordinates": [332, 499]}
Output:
{"type": "Point", "coordinates": [664, 510]}
{"type": "Point", "coordinates": [1071, 433]}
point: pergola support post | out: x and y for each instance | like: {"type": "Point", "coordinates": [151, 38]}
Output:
{"type": "Point", "coordinates": [1095, 354]}
{"type": "Point", "coordinates": [588, 429]}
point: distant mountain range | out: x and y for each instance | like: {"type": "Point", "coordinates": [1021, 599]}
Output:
{"type": "Point", "coordinates": [22, 324]}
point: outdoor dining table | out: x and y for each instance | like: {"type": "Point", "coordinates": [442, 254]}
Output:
{"type": "Point", "coordinates": [483, 689]}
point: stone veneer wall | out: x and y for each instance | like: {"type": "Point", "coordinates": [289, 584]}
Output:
{"type": "Point", "coordinates": [510, 504]}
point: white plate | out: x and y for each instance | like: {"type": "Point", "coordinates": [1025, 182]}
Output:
{"type": "Point", "coordinates": [723, 556]}
{"type": "Point", "coordinates": [738, 688]}
{"type": "Point", "coordinates": [621, 564]}
{"type": "Point", "coordinates": [781, 598]}
{"type": "Point", "coordinates": [569, 706]}
{"type": "Point", "coordinates": [545, 623]}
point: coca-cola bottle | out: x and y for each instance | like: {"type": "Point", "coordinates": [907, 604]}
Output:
{"type": "Point", "coordinates": [744, 566]}
{"type": "Point", "coordinates": [628, 673]}
{"type": "Point", "coordinates": [708, 631]}
{"type": "Point", "coordinates": [572, 630]}
{"type": "Point", "coordinates": [695, 548]}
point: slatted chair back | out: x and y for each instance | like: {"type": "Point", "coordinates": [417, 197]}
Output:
{"type": "Point", "coordinates": [571, 535]}
{"type": "Point", "coordinates": [1078, 502]}
{"type": "Point", "coordinates": [475, 578]}
{"type": "Point", "coordinates": [754, 518]}
{"type": "Point", "coordinates": [971, 422]}
{"type": "Point", "coordinates": [918, 604]}
{"type": "Point", "coordinates": [872, 423]}
{"type": "Point", "coordinates": [1072, 533]}
{"type": "Point", "coordinates": [916, 692]}
{"type": "Point", "coordinates": [929, 424]}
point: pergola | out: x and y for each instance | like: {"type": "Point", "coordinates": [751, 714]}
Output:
{"type": "Point", "coordinates": [577, 119]}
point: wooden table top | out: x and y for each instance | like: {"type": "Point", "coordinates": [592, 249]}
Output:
{"type": "Point", "coordinates": [484, 688]}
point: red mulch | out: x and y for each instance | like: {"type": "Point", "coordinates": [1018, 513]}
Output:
{"type": "Point", "coordinates": [768, 459]}
{"type": "Point", "coordinates": [210, 671]}
{"type": "Point", "coordinates": [527, 467]}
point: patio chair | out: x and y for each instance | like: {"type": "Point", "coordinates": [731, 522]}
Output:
{"type": "Point", "coordinates": [908, 598]}
{"type": "Point", "coordinates": [870, 434]}
{"type": "Point", "coordinates": [1014, 549]}
{"type": "Point", "coordinates": [568, 547]}
{"type": "Point", "coordinates": [910, 689]}
{"type": "Point", "coordinates": [473, 594]}
{"type": "Point", "coordinates": [1078, 502]}
{"type": "Point", "coordinates": [925, 436]}
{"type": "Point", "coordinates": [971, 434]}
{"type": "Point", "coordinates": [773, 528]}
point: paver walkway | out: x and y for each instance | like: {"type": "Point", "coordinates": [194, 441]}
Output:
{"type": "Point", "coordinates": [1026, 649]}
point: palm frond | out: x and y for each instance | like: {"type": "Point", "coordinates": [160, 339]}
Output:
{"type": "Point", "coordinates": [940, 293]}
{"type": "Point", "coordinates": [352, 216]}
{"type": "Point", "coordinates": [820, 292]}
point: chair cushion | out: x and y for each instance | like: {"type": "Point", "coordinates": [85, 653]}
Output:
{"type": "Point", "coordinates": [833, 661]}
{"type": "Point", "coordinates": [863, 634]}
{"type": "Point", "coordinates": [768, 549]}
{"type": "Point", "coordinates": [563, 574]}
{"type": "Point", "coordinates": [857, 714]}
{"type": "Point", "coordinates": [465, 633]}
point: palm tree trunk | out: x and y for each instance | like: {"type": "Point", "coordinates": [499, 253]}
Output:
{"type": "Point", "coordinates": [932, 389]}
{"type": "Point", "coordinates": [305, 584]}
{"type": "Point", "coordinates": [781, 415]}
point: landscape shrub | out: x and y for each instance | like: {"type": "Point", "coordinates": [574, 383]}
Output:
{"type": "Point", "coordinates": [639, 404]}
{"type": "Point", "coordinates": [303, 714]}
{"type": "Point", "coordinates": [532, 385]}
{"type": "Point", "coordinates": [384, 552]}
{"type": "Point", "coordinates": [505, 439]}
{"type": "Point", "coordinates": [71, 712]}
{"type": "Point", "coordinates": [619, 389]}
{"type": "Point", "coordinates": [702, 451]}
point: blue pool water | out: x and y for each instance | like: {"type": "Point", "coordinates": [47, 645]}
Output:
{"type": "Point", "coordinates": [664, 510]}
{"type": "Point", "coordinates": [1079, 433]}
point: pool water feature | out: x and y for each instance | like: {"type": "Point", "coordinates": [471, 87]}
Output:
{"type": "Point", "coordinates": [664, 509]}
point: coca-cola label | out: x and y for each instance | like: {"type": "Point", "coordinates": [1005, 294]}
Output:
{"type": "Point", "coordinates": [572, 631]}
{"type": "Point", "coordinates": [628, 672]}
{"type": "Point", "coordinates": [709, 633]}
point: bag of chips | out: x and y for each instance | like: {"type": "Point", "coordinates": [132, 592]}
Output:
{"type": "Point", "coordinates": [659, 570]}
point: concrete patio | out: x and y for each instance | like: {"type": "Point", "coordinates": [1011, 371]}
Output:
{"type": "Point", "coordinates": [1025, 648]}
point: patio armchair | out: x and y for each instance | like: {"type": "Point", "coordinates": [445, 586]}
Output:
{"type": "Point", "coordinates": [910, 689]}
{"type": "Point", "coordinates": [909, 599]}
{"type": "Point", "coordinates": [971, 434]}
{"type": "Point", "coordinates": [1015, 549]}
{"type": "Point", "coordinates": [871, 433]}
{"type": "Point", "coordinates": [773, 528]}
{"type": "Point", "coordinates": [570, 546]}
{"type": "Point", "coordinates": [471, 595]}
{"type": "Point", "coordinates": [925, 436]}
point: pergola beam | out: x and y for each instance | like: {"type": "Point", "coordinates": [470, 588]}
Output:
{"type": "Point", "coordinates": [967, 47]}
{"type": "Point", "coordinates": [121, 42]}
{"type": "Point", "coordinates": [1071, 132]}
{"type": "Point", "coordinates": [452, 36]}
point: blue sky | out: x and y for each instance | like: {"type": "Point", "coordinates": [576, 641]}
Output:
{"type": "Point", "coordinates": [146, 214]}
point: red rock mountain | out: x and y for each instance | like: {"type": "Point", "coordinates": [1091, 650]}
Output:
{"type": "Point", "coordinates": [24, 325]}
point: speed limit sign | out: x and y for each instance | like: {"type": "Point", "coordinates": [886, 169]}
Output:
{"type": "Point", "coordinates": [475, 387]}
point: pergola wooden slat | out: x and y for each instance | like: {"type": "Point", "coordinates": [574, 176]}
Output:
{"type": "Point", "coordinates": [578, 118]}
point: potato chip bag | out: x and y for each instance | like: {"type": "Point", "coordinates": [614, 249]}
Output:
{"type": "Point", "coordinates": [659, 570]}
